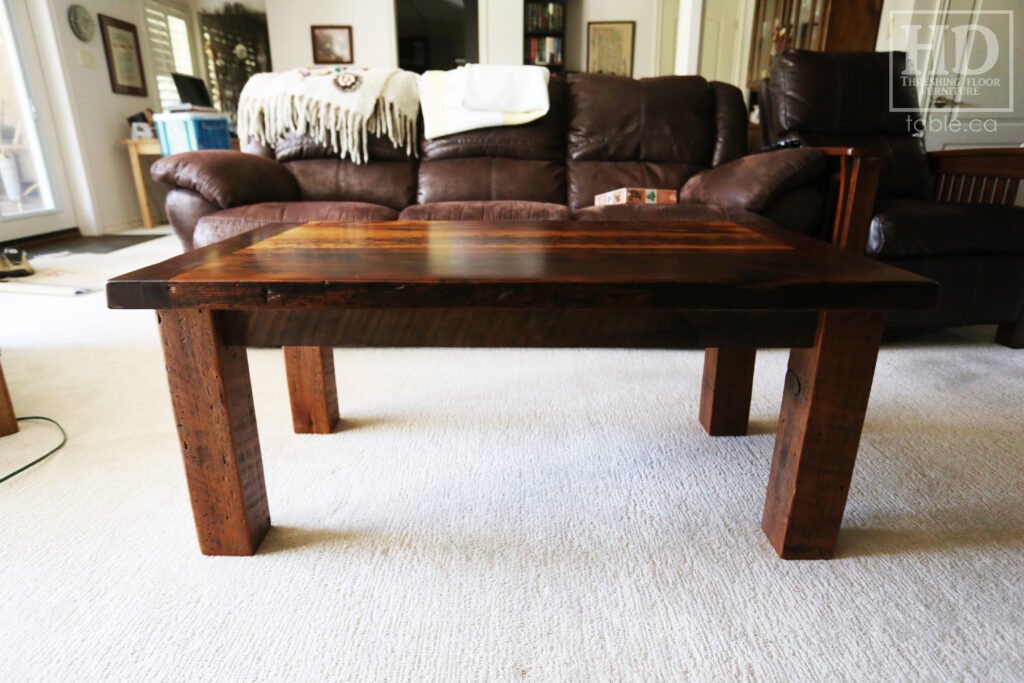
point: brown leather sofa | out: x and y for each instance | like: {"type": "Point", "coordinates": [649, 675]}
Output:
{"type": "Point", "coordinates": [946, 215]}
{"type": "Point", "coordinates": [602, 132]}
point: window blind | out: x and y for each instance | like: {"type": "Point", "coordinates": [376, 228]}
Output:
{"type": "Point", "coordinates": [170, 47]}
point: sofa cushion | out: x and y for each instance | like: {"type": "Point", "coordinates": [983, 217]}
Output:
{"type": "Point", "coordinates": [589, 178]}
{"type": "Point", "coordinates": [665, 119]}
{"type": "Point", "coordinates": [501, 210]}
{"type": "Point", "coordinates": [671, 212]}
{"type": "Point", "coordinates": [389, 183]}
{"type": "Point", "coordinates": [293, 147]}
{"type": "Point", "coordinates": [920, 228]}
{"type": "Point", "coordinates": [230, 222]}
{"type": "Point", "coordinates": [648, 132]}
{"type": "Point", "coordinates": [540, 140]}
{"type": "Point", "coordinates": [487, 178]}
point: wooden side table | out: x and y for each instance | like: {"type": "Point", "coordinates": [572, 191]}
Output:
{"type": "Point", "coordinates": [8, 423]}
{"type": "Point", "coordinates": [142, 148]}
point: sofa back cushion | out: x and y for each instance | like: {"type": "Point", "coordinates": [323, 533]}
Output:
{"type": "Point", "coordinates": [524, 162]}
{"type": "Point", "coordinates": [843, 99]}
{"type": "Point", "coordinates": [649, 132]}
{"type": "Point", "coordinates": [388, 178]}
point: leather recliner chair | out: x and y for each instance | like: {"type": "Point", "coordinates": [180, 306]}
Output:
{"type": "Point", "coordinates": [948, 216]}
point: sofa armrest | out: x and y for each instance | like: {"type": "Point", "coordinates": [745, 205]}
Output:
{"type": "Point", "coordinates": [227, 178]}
{"type": "Point", "coordinates": [755, 181]}
{"type": "Point", "coordinates": [184, 208]}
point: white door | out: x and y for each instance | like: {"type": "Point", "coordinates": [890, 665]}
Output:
{"type": "Point", "coordinates": [33, 189]}
{"type": "Point", "coordinates": [981, 43]}
{"type": "Point", "coordinates": [720, 42]}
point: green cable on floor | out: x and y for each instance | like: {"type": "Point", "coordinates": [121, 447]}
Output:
{"type": "Point", "coordinates": [39, 460]}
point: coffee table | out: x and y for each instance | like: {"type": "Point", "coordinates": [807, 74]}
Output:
{"type": "Point", "coordinates": [717, 286]}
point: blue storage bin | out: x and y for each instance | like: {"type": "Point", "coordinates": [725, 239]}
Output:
{"type": "Point", "coordinates": [188, 131]}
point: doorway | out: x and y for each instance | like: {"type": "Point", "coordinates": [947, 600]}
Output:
{"type": "Point", "coordinates": [33, 191]}
{"type": "Point", "coordinates": [724, 41]}
{"type": "Point", "coordinates": [436, 34]}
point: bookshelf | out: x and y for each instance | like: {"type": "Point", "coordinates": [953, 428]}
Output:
{"type": "Point", "coordinates": [544, 35]}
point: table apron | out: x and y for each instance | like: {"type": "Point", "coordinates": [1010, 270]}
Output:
{"type": "Point", "coordinates": [525, 328]}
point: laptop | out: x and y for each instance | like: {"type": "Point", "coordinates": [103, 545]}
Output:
{"type": "Point", "coordinates": [193, 93]}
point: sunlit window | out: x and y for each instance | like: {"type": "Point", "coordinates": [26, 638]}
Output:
{"type": "Point", "coordinates": [170, 46]}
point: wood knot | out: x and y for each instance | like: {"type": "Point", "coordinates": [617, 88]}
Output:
{"type": "Point", "coordinates": [792, 383]}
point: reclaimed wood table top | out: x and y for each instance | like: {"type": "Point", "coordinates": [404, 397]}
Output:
{"type": "Point", "coordinates": [658, 265]}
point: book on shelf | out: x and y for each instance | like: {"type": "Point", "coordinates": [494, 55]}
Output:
{"type": "Point", "coordinates": [545, 16]}
{"type": "Point", "coordinates": [546, 50]}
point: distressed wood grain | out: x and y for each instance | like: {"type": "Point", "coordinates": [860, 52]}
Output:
{"type": "Point", "coordinates": [312, 388]}
{"type": "Point", "coordinates": [826, 395]}
{"type": "Point", "coordinates": [212, 400]}
{"type": "Point", "coordinates": [725, 390]}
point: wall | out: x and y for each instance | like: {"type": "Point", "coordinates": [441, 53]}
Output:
{"type": "Point", "coordinates": [647, 38]}
{"type": "Point", "coordinates": [668, 27]}
{"type": "Point", "coordinates": [691, 14]}
{"type": "Point", "coordinates": [373, 30]}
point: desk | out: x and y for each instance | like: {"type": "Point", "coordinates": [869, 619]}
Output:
{"type": "Point", "coordinates": [142, 148]}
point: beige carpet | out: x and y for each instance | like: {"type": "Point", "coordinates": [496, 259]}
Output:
{"type": "Point", "coordinates": [503, 515]}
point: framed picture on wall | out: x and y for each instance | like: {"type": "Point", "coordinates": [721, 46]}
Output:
{"type": "Point", "coordinates": [332, 44]}
{"type": "Point", "coordinates": [124, 59]}
{"type": "Point", "coordinates": [610, 47]}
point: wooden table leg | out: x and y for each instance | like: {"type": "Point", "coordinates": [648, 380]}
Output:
{"type": "Point", "coordinates": [8, 422]}
{"type": "Point", "coordinates": [725, 390]}
{"type": "Point", "coordinates": [212, 401]}
{"type": "Point", "coordinates": [140, 186]}
{"type": "Point", "coordinates": [312, 388]}
{"type": "Point", "coordinates": [827, 390]}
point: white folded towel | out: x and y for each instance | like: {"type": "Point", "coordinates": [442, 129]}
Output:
{"type": "Point", "coordinates": [515, 89]}
{"type": "Point", "coordinates": [443, 98]}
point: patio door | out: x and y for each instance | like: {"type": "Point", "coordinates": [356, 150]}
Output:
{"type": "Point", "coordinates": [34, 198]}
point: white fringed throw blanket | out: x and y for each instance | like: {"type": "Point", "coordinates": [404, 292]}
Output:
{"type": "Point", "coordinates": [308, 102]}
